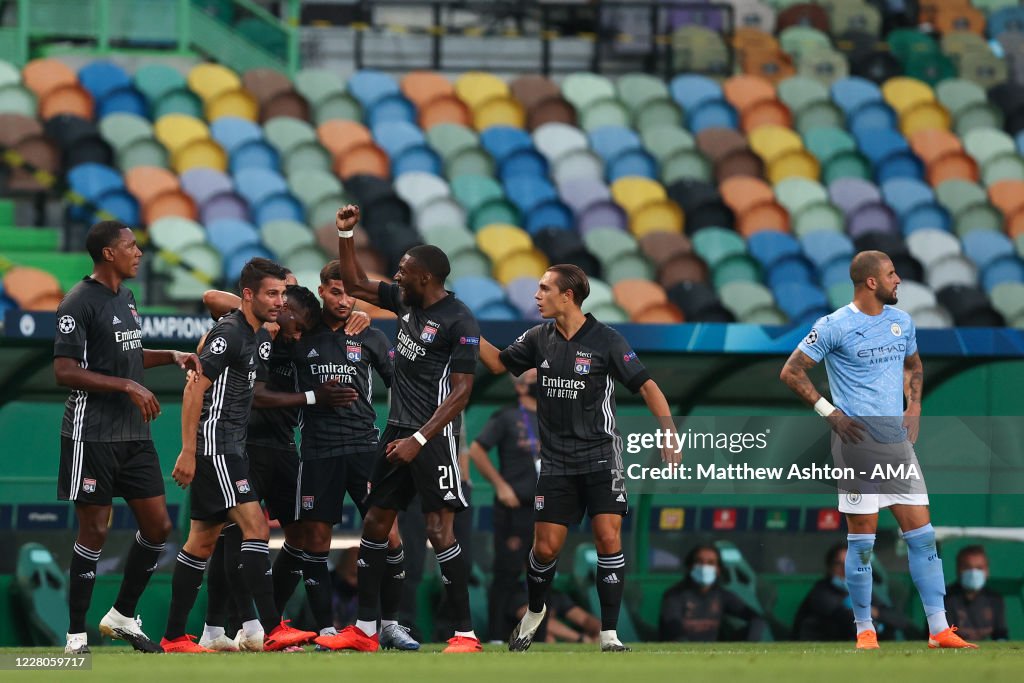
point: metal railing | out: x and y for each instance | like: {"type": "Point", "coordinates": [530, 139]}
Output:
{"type": "Point", "coordinates": [247, 37]}
{"type": "Point", "coordinates": [545, 22]}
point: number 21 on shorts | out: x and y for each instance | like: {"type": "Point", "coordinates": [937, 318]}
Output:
{"type": "Point", "coordinates": [446, 480]}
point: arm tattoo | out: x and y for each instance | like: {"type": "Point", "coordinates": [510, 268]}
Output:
{"type": "Point", "coordinates": [913, 378]}
{"type": "Point", "coordinates": [794, 374]}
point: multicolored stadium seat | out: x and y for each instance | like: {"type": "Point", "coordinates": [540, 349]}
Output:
{"type": "Point", "coordinates": [716, 196]}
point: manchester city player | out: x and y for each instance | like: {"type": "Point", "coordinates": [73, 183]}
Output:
{"type": "Point", "coordinates": [870, 354]}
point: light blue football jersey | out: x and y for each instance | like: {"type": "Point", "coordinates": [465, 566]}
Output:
{"type": "Point", "coordinates": [864, 357]}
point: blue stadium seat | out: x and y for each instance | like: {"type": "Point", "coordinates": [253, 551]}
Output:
{"type": "Point", "coordinates": [610, 142]}
{"type": "Point", "coordinates": [231, 132]}
{"type": "Point", "coordinates": [799, 300]}
{"type": "Point", "coordinates": [120, 203]}
{"type": "Point", "coordinates": [498, 311]}
{"type": "Point", "coordinates": [523, 162]}
{"type": "Point", "coordinates": [282, 206]}
{"type": "Point", "coordinates": [502, 141]}
{"type": "Point", "coordinates": [712, 114]}
{"type": "Point", "coordinates": [691, 90]}
{"type": "Point", "coordinates": [369, 87]}
{"type": "Point", "coordinates": [852, 93]}
{"type": "Point", "coordinates": [768, 247]}
{"type": "Point", "coordinates": [389, 109]}
{"type": "Point", "coordinates": [925, 216]}
{"type": "Point", "coordinates": [254, 154]}
{"type": "Point", "coordinates": [899, 164]}
{"type": "Point", "coordinates": [636, 162]}
{"type": "Point", "coordinates": [204, 183]}
{"type": "Point", "coordinates": [1005, 19]}
{"type": "Point", "coordinates": [1004, 269]}
{"type": "Point", "coordinates": [835, 272]}
{"type": "Point", "coordinates": [791, 269]}
{"type": "Point", "coordinates": [394, 137]}
{"type": "Point", "coordinates": [529, 191]}
{"type": "Point", "coordinates": [552, 214]}
{"type": "Point", "coordinates": [123, 101]}
{"type": "Point", "coordinates": [417, 158]}
{"type": "Point", "coordinates": [229, 235]}
{"type": "Point", "coordinates": [101, 78]}
{"type": "Point", "coordinates": [822, 247]}
{"type": "Point", "coordinates": [904, 194]}
{"type": "Point", "coordinates": [256, 184]}
{"type": "Point", "coordinates": [985, 246]}
{"type": "Point", "coordinates": [879, 144]}
{"type": "Point", "coordinates": [520, 294]}
{"type": "Point", "coordinates": [91, 180]}
{"type": "Point", "coordinates": [477, 292]}
{"type": "Point", "coordinates": [873, 116]}
{"type": "Point", "coordinates": [233, 263]}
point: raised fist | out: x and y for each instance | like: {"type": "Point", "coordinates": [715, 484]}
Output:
{"type": "Point", "coordinates": [347, 217]}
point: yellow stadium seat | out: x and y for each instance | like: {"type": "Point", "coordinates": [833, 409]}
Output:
{"type": "Point", "coordinates": [634, 192]}
{"type": "Point", "coordinates": [925, 116]}
{"type": "Point", "coordinates": [772, 142]}
{"type": "Point", "coordinates": [794, 164]}
{"type": "Point", "coordinates": [499, 111]}
{"type": "Point", "coordinates": [477, 87]}
{"type": "Point", "coordinates": [659, 216]}
{"type": "Point", "coordinates": [177, 130]}
{"type": "Point", "coordinates": [904, 93]}
{"type": "Point", "coordinates": [524, 263]}
{"type": "Point", "coordinates": [210, 80]}
{"type": "Point", "coordinates": [500, 239]}
{"type": "Point", "coordinates": [233, 103]}
{"type": "Point", "coordinates": [199, 154]}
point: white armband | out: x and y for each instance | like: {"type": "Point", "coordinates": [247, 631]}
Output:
{"type": "Point", "coordinates": [346, 234]}
{"type": "Point", "coordinates": [310, 398]}
{"type": "Point", "coordinates": [420, 439]}
{"type": "Point", "coordinates": [823, 407]}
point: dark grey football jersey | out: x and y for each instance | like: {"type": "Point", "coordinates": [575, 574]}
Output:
{"type": "Point", "coordinates": [432, 343]}
{"type": "Point", "coordinates": [275, 427]}
{"type": "Point", "coordinates": [229, 359]}
{"type": "Point", "coordinates": [102, 330]}
{"type": "Point", "coordinates": [576, 404]}
{"type": "Point", "coordinates": [323, 354]}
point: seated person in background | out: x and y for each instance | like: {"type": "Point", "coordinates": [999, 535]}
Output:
{"type": "Point", "coordinates": [346, 589]}
{"type": "Point", "coordinates": [566, 622]}
{"type": "Point", "coordinates": [695, 608]}
{"type": "Point", "coordinates": [979, 612]}
{"type": "Point", "coordinates": [827, 613]}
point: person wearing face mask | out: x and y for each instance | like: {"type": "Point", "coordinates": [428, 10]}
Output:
{"type": "Point", "coordinates": [979, 611]}
{"type": "Point", "coordinates": [827, 612]}
{"type": "Point", "coordinates": [513, 430]}
{"type": "Point", "coordinates": [694, 609]}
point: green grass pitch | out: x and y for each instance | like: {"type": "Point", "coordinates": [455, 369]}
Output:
{"type": "Point", "coordinates": [692, 663]}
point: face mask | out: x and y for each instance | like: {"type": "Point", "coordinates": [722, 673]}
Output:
{"type": "Point", "coordinates": [972, 579]}
{"type": "Point", "coordinates": [532, 390]}
{"type": "Point", "coordinates": [840, 583]}
{"type": "Point", "coordinates": [704, 574]}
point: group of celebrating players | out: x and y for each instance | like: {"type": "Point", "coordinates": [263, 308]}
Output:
{"type": "Point", "coordinates": [277, 360]}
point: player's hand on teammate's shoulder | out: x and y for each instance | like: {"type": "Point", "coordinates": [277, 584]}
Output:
{"type": "Point", "coordinates": [144, 399]}
{"type": "Point", "coordinates": [347, 217]}
{"type": "Point", "coordinates": [189, 362]}
{"type": "Point", "coordinates": [402, 451]}
{"type": "Point", "coordinates": [357, 322]}
{"type": "Point", "coordinates": [331, 393]}
{"type": "Point", "coordinates": [184, 469]}
{"type": "Point", "coordinates": [848, 429]}
{"type": "Point", "coordinates": [912, 421]}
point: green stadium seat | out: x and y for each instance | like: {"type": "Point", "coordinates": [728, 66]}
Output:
{"type": "Point", "coordinates": [628, 267]}
{"type": "Point", "coordinates": [978, 115]}
{"type": "Point", "coordinates": [609, 244]}
{"type": "Point", "coordinates": [663, 142]}
{"type": "Point", "coordinates": [339, 106]}
{"type": "Point", "coordinates": [715, 245]}
{"type": "Point", "coordinates": [450, 139]}
{"type": "Point", "coordinates": [283, 236]}
{"type": "Point", "coordinates": [685, 165]}
{"type": "Point", "coordinates": [737, 268]}
{"type": "Point", "coordinates": [742, 297]}
{"type": "Point", "coordinates": [318, 85]}
{"type": "Point", "coordinates": [40, 590]}
{"type": "Point", "coordinates": [28, 239]}
{"type": "Point", "coordinates": [145, 152]}
{"type": "Point", "coordinates": [286, 133]}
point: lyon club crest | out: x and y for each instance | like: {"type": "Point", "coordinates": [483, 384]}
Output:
{"type": "Point", "coordinates": [428, 333]}
{"type": "Point", "coordinates": [582, 366]}
{"type": "Point", "coordinates": [354, 352]}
